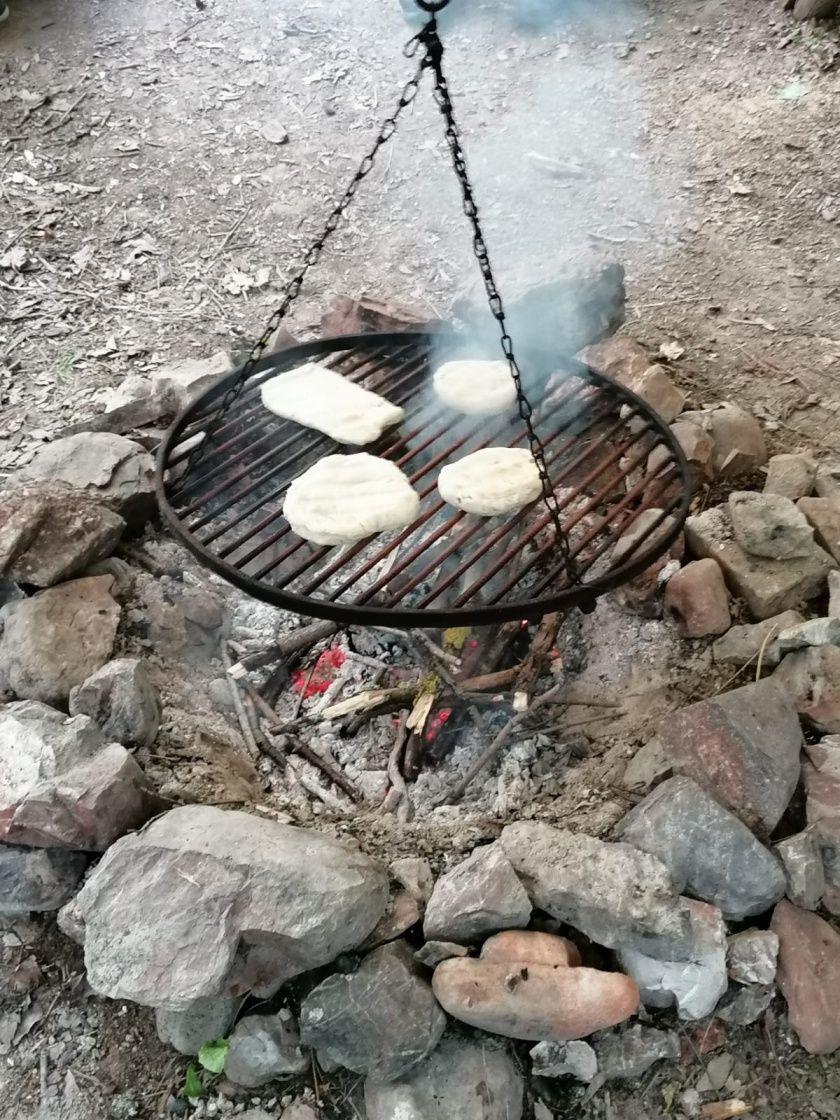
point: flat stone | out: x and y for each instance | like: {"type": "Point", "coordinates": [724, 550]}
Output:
{"type": "Point", "coordinates": [802, 861]}
{"type": "Point", "coordinates": [811, 679]}
{"type": "Point", "coordinates": [52, 642]}
{"type": "Point", "coordinates": [696, 983]}
{"type": "Point", "coordinates": [767, 586]}
{"type": "Point", "coordinates": [823, 514]}
{"type": "Point", "coordinates": [708, 851]}
{"type": "Point", "coordinates": [697, 600]}
{"type": "Point", "coordinates": [657, 389]}
{"type": "Point", "coordinates": [834, 594]}
{"type": "Point", "coordinates": [63, 785]}
{"type": "Point", "coordinates": [743, 644]}
{"type": "Point", "coordinates": [792, 475]}
{"type": "Point", "coordinates": [381, 1020]}
{"type": "Point", "coordinates": [479, 896]}
{"type": "Point", "coordinates": [121, 699]}
{"type": "Point", "coordinates": [769, 526]}
{"type": "Point", "coordinates": [814, 632]}
{"type": "Point", "coordinates": [402, 913]}
{"type": "Point", "coordinates": [433, 952]}
{"type": "Point", "coordinates": [739, 441]}
{"type": "Point", "coordinates": [415, 876]}
{"type": "Point", "coordinates": [263, 1047]}
{"type": "Point", "coordinates": [179, 384]}
{"type": "Point", "coordinates": [742, 747]}
{"type": "Point", "coordinates": [536, 1002]}
{"type": "Point", "coordinates": [530, 947]}
{"type": "Point", "coordinates": [626, 1054]}
{"type": "Point", "coordinates": [828, 480]}
{"type": "Point", "coordinates": [809, 976]}
{"type": "Point", "coordinates": [249, 902]}
{"type": "Point", "coordinates": [203, 1021]}
{"type": "Point", "coordinates": [564, 1059]}
{"type": "Point", "coordinates": [745, 1005]}
{"type": "Point", "coordinates": [37, 878]}
{"type": "Point", "coordinates": [114, 470]}
{"type": "Point", "coordinates": [461, 1080]}
{"type": "Point", "coordinates": [50, 532]}
{"type": "Point", "coordinates": [613, 893]}
{"type": "Point", "coordinates": [752, 956]}
{"type": "Point", "coordinates": [648, 766]}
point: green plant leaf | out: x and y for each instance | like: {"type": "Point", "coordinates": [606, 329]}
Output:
{"type": "Point", "coordinates": [192, 1084]}
{"type": "Point", "coordinates": [212, 1054]}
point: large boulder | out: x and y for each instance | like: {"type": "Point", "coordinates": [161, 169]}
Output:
{"type": "Point", "coordinates": [37, 878]}
{"type": "Point", "coordinates": [121, 699]}
{"type": "Point", "coordinates": [52, 642]}
{"type": "Point", "coordinates": [241, 904]}
{"type": "Point", "coordinates": [50, 532]}
{"type": "Point", "coordinates": [381, 1020]}
{"type": "Point", "coordinates": [708, 850]}
{"type": "Point", "coordinates": [479, 896]}
{"type": "Point", "coordinates": [111, 468]}
{"type": "Point", "coordinates": [614, 893]}
{"type": "Point", "coordinates": [62, 785]}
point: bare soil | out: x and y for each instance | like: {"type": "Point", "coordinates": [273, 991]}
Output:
{"type": "Point", "coordinates": [152, 209]}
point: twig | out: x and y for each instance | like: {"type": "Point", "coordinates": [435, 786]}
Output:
{"type": "Point", "coordinates": [535, 663]}
{"type": "Point", "coordinates": [495, 747]}
{"type": "Point", "coordinates": [238, 706]}
{"type": "Point", "coordinates": [296, 642]}
{"type": "Point", "coordinates": [66, 116]}
{"type": "Point", "coordinates": [770, 633]}
{"type": "Point", "coordinates": [397, 799]}
{"type": "Point", "coordinates": [229, 234]}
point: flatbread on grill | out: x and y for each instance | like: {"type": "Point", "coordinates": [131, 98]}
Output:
{"type": "Point", "coordinates": [345, 498]}
{"type": "Point", "coordinates": [322, 399]}
{"type": "Point", "coordinates": [474, 387]}
{"type": "Point", "coordinates": [491, 481]}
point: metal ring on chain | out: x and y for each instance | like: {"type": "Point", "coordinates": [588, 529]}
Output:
{"type": "Point", "coordinates": [431, 6]}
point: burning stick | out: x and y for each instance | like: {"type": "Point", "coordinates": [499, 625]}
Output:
{"type": "Point", "coordinates": [536, 662]}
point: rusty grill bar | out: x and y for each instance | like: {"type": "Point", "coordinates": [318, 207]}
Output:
{"type": "Point", "coordinates": [448, 567]}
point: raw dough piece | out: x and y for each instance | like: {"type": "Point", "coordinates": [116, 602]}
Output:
{"type": "Point", "coordinates": [477, 388]}
{"type": "Point", "coordinates": [491, 481]}
{"type": "Point", "coordinates": [322, 399]}
{"type": "Point", "coordinates": [345, 498]}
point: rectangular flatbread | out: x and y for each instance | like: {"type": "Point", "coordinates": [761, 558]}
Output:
{"type": "Point", "coordinates": [322, 399]}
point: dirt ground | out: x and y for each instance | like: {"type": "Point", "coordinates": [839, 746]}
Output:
{"type": "Point", "coordinates": [163, 167]}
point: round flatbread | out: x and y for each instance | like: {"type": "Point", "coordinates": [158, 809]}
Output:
{"type": "Point", "coordinates": [492, 481]}
{"type": "Point", "coordinates": [476, 388]}
{"type": "Point", "coordinates": [345, 498]}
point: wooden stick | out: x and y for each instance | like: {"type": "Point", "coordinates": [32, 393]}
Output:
{"type": "Point", "coordinates": [490, 682]}
{"type": "Point", "coordinates": [238, 706]}
{"type": "Point", "coordinates": [296, 642]}
{"type": "Point", "coordinates": [536, 662]}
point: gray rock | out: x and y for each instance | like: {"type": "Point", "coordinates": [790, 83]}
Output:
{"type": "Point", "coordinates": [811, 678]}
{"type": "Point", "coordinates": [121, 699]}
{"type": "Point", "coordinates": [744, 1005]}
{"type": "Point", "coordinates": [696, 983]}
{"type": "Point", "coordinates": [614, 893]}
{"type": "Point", "coordinates": [804, 872]}
{"type": "Point", "coordinates": [183, 381]}
{"type": "Point", "coordinates": [50, 643]}
{"type": "Point", "coordinates": [50, 532]}
{"type": "Point", "coordinates": [249, 902]}
{"type": "Point", "coordinates": [834, 594]}
{"type": "Point", "coordinates": [255, 1114]}
{"type": "Point", "coordinates": [742, 644]}
{"type": "Point", "coordinates": [415, 876]}
{"type": "Point", "coordinates": [707, 850]}
{"type": "Point", "coordinates": [481, 895]}
{"type": "Point", "coordinates": [640, 531]}
{"type": "Point", "coordinates": [625, 1054]}
{"type": "Point", "coordinates": [564, 1059]}
{"type": "Point", "coordinates": [382, 1020]}
{"type": "Point", "coordinates": [63, 785]}
{"type": "Point", "coordinates": [402, 913]}
{"type": "Point", "coordinates": [815, 632]}
{"type": "Point", "coordinates": [433, 952]}
{"type": "Point", "coordinates": [111, 468]}
{"type": "Point", "coordinates": [201, 1022]}
{"type": "Point", "coordinates": [37, 878]}
{"type": "Point", "coordinates": [752, 956]}
{"type": "Point", "coordinates": [792, 476]}
{"type": "Point", "coordinates": [768, 586]}
{"type": "Point", "coordinates": [738, 438]}
{"type": "Point", "coordinates": [769, 525]}
{"type": "Point", "coordinates": [263, 1047]}
{"type": "Point", "coordinates": [299, 1110]}
{"type": "Point", "coordinates": [649, 764]}
{"type": "Point", "coordinates": [459, 1081]}
{"type": "Point", "coordinates": [9, 592]}
{"type": "Point", "coordinates": [828, 480]}
{"type": "Point", "coordinates": [823, 514]}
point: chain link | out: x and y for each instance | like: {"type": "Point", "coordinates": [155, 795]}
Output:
{"type": "Point", "coordinates": [434, 59]}
{"type": "Point", "coordinates": [311, 257]}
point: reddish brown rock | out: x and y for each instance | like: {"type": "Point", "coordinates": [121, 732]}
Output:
{"type": "Point", "coordinates": [358, 316]}
{"type": "Point", "coordinates": [620, 357]}
{"type": "Point", "coordinates": [657, 389]}
{"type": "Point", "coordinates": [697, 600]}
{"type": "Point", "coordinates": [821, 774]}
{"type": "Point", "coordinates": [792, 476]}
{"type": "Point", "coordinates": [537, 1002]}
{"type": "Point", "coordinates": [742, 747]}
{"type": "Point", "coordinates": [530, 946]}
{"type": "Point", "coordinates": [737, 436]}
{"type": "Point", "coordinates": [403, 912]}
{"type": "Point", "coordinates": [823, 514]}
{"type": "Point", "coordinates": [811, 678]}
{"type": "Point", "coordinates": [698, 448]}
{"type": "Point", "coordinates": [809, 976]}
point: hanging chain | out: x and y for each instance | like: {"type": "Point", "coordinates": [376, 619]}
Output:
{"type": "Point", "coordinates": [310, 258]}
{"type": "Point", "coordinates": [433, 46]}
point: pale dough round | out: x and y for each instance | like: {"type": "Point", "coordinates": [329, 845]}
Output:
{"type": "Point", "coordinates": [476, 388]}
{"type": "Point", "coordinates": [345, 498]}
{"type": "Point", "coordinates": [492, 481]}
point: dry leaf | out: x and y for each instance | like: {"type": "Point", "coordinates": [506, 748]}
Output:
{"type": "Point", "coordinates": [671, 350]}
{"type": "Point", "coordinates": [724, 1110]}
